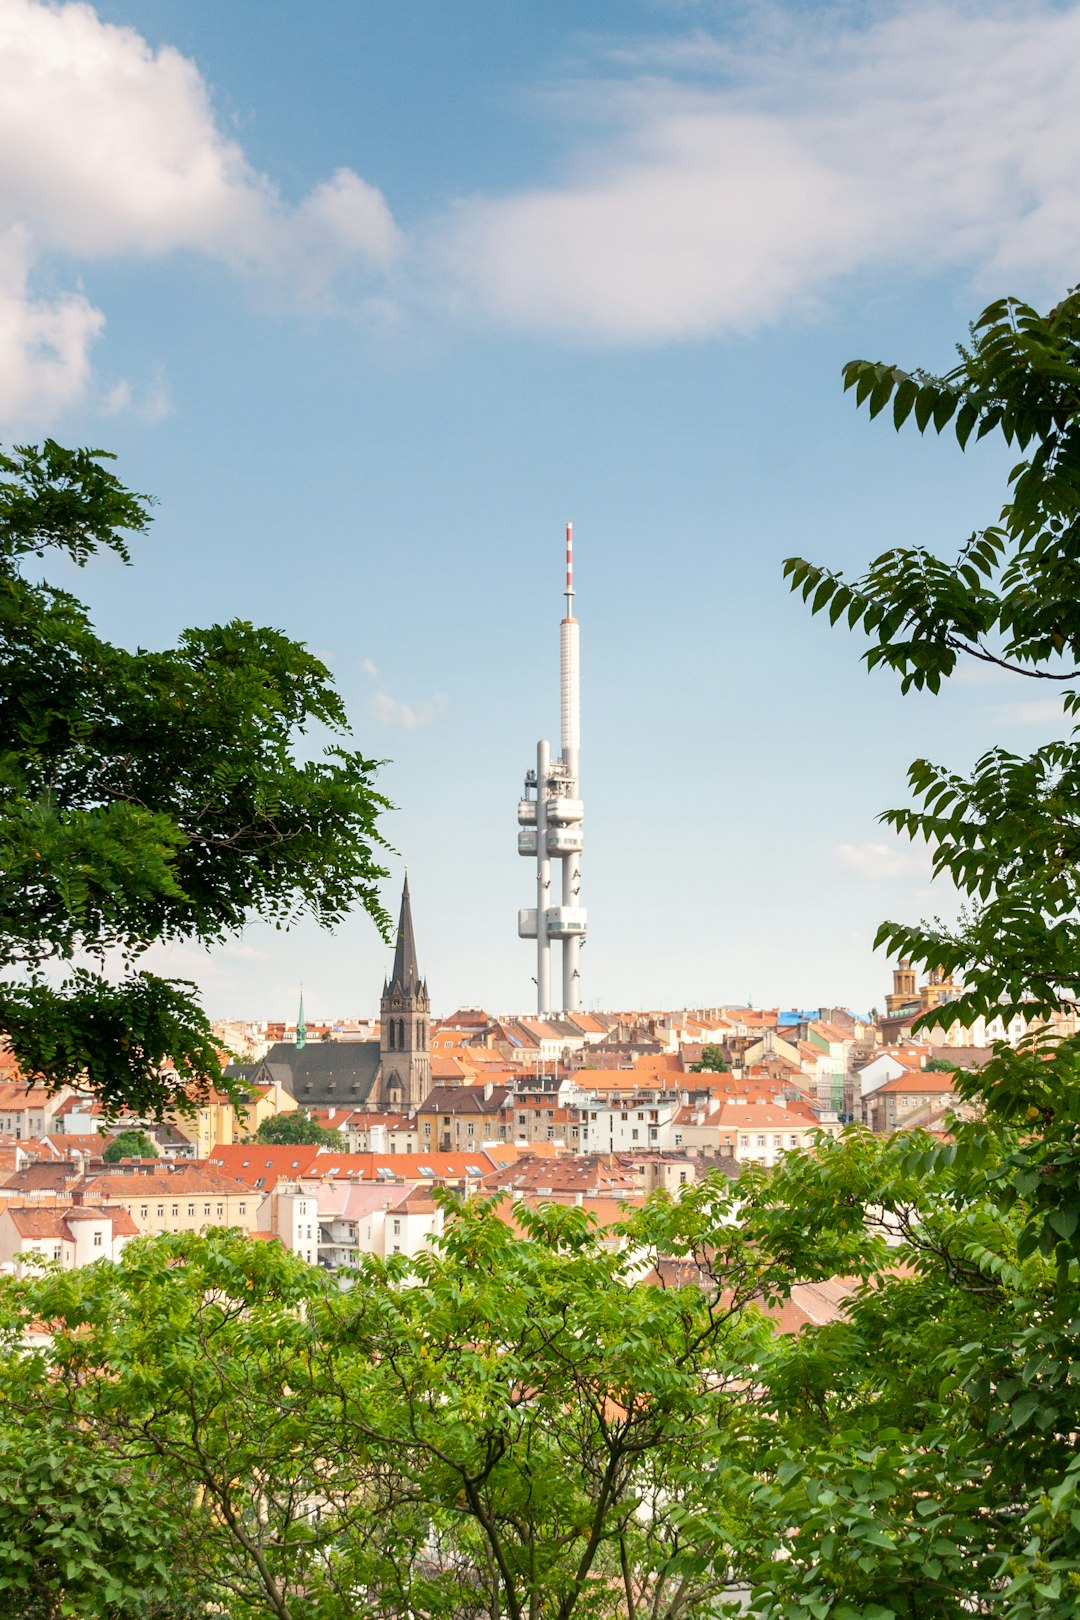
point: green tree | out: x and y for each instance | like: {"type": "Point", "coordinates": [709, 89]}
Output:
{"type": "Point", "coordinates": [148, 796]}
{"type": "Point", "coordinates": [297, 1128]}
{"type": "Point", "coordinates": [947, 1413]}
{"type": "Point", "coordinates": [1008, 834]}
{"type": "Point", "coordinates": [130, 1145]}
{"type": "Point", "coordinates": [713, 1061]}
{"type": "Point", "coordinates": [938, 1066]}
{"type": "Point", "coordinates": [511, 1426]}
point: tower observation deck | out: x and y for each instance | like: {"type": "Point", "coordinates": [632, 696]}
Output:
{"type": "Point", "coordinates": [550, 817]}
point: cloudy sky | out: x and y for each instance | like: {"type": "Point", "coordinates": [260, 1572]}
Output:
{"type": "Point", "coordinates": [375, 296]}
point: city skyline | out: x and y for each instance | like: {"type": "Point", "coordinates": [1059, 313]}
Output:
{"type": "Point", "coordinates": [373, 300]}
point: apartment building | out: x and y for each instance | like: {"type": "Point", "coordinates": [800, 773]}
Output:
{"type": "Point", "coordinates": [69, 1235]}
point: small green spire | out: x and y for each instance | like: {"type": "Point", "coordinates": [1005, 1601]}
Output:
{"type": "Point", "coordinates": [301, 1027]}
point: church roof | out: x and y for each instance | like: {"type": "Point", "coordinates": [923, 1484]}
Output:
{"type": "Point", "coordinates": [323, 1071]}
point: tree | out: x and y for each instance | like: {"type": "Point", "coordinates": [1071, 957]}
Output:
{"type": "Point", "coordinates": [945, 1480]}
{"type": "Point", "coordinates": [130, 1145]}
{"type": "Point", "coordinates": [1008, 835]}
{"type": "Point", "coordinates": [297, 1128]}
{"type": "Point", "coordinates": [713, 1061]}
{"type": "Point", "coordinates": [514, 1425]}
{"type": "Point", "coordinates": [148, 796]}
{"type": "Point", "coordinates": [938, 1066]}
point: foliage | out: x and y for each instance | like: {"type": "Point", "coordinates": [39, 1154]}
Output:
{"type": "Point", "coordinates": [130, 1144]}
{"type": "Point", "coordinates": [532, 1420]}
{"type": "Point", "coordinates": [713, 1061]}
{"type": "Point", "coordinates": [509, 1425]}
{"type": "Point", "coordinates": [297, 1128]}
{"type": "Point", "coordinates": [148, 796]}
{"type": "Point", "coordinates": [917, 1442]}
{"type": "Point", "coordinates": [938, 1066]}
{"type": "Point", "coordinates": [925, 1447]}
{"type": "Point", "coordinates": [1007, 834]}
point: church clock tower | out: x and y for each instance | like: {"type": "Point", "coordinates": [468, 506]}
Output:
{"type": "Point", "coordinates": [405, 1067]}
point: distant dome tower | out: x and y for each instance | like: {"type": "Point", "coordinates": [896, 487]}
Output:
{"type": "Point", "coordinates": [405, 1018]}
{"type": "Point", "coordinates": [551, 826]}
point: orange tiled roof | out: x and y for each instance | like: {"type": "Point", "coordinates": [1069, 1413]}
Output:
{"type": "Point", "coordinates": [918, 1082]}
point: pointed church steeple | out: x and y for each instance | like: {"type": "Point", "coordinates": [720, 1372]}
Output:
{"type": "Point", "coordinates": [405, 978]}
{"type": "Point", "coordinates": [405, 1062]}
{"type": "Point", "coordinates": [301, 1027]}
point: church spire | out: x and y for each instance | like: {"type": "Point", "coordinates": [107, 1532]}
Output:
{"type": "Point", "coordinates": [301, 1027]}
{"type": "Point", "coordinates": [404, 1014]}
{"type": "Point", "coordinates": [406, 975]}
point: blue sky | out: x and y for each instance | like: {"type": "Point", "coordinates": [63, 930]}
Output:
{"type": "Point", "coordinates": [374, 297]}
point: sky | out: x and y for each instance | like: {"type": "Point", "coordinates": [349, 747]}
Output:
{"type": "Point", "coordinates": [375, 297]}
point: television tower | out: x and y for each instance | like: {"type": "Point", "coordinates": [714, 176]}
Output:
{"type": "Point", "coordinates": [550, 827]}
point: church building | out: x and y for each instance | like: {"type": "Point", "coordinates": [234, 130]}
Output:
{"type": "Point", "coordinates": [392, 1073]}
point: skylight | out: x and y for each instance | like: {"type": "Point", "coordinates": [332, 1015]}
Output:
{"type": "Point", "coordinates": [426, 1170]}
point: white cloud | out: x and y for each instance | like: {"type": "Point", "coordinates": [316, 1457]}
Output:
{"type": "Point", "coordinates": [44, 343]}
{"type": "Point", "coordinates": [1032, 712]}
{"type": "Point", "coordinates": [368, 667]}
{"type": "Point", "coordinates": [389, 711]}
{"type": "Point", "coordinates": [881, 860]}
{"type": "Point", "coordinates": [110, 148]}
{"type": "Point", "coordinates": [936, 136]}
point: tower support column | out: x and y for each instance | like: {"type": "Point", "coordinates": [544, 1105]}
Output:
{"type": "Point", "coordinates": [543, 882]}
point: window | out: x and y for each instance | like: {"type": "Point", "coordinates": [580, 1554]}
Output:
{"type": "Point", "coordinates": [633, 1135]}
{"type": "Point", "coordinates": [98, 1240]}
{"type": "Point", "coordinates": [654, 1132]}
{"type": "Point", "coordinates": [206, 1209]}
{"type": "Point", "coordinates": [761, 1141]}
{"type": "Point", "coordinates": [161, 1209]}
{"type": "Point", "coordinates": [397, 1228]}
{"type": "Point", "coordinates": [243, 1209]}
{"type": "Point", "coordinates": [744, 1141]}
{"type": "Point", "coordinates": [57, 1251]}
{"type": "Point", "coordinates": [778, 1141]}
{"type": "Point", "coordinates": [221, 1209]}
{"type": "Point", "coordinates": [143, 1211]}
{"type": "Point", "coordinates": [176, 1209]}
{"type": "Point", "coordinates": [427, 1127]}
{"type": "Point", "coordinates": [551, 1133]}
{"type": "Point", "coordinates": [191, 1209]}
{"type": "Point", "coordinates": [678, 1139]}
{"type": "Point", "coordinates": [793, 1141]}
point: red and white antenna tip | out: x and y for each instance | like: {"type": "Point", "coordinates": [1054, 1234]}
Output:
{"type": "Point", "coordinates": [569, 559]}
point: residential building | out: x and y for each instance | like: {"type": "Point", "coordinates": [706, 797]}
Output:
{"type": "Point", "coordinates": [290, 1213]}
{"type": "Point", "coordinates": [457, 1118]}
{"type": "Point", "coordinates": [177, 1197]}
{"type": "Point", "coordinates": [907, 1099]}
{"type": "Point", "coordinates": [71, 1235]}
{"type": "Point", "coordinates": [30, 1110]}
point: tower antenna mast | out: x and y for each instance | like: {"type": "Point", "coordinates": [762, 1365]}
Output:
{"type": "Point", "coordinates": [551, 826]}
